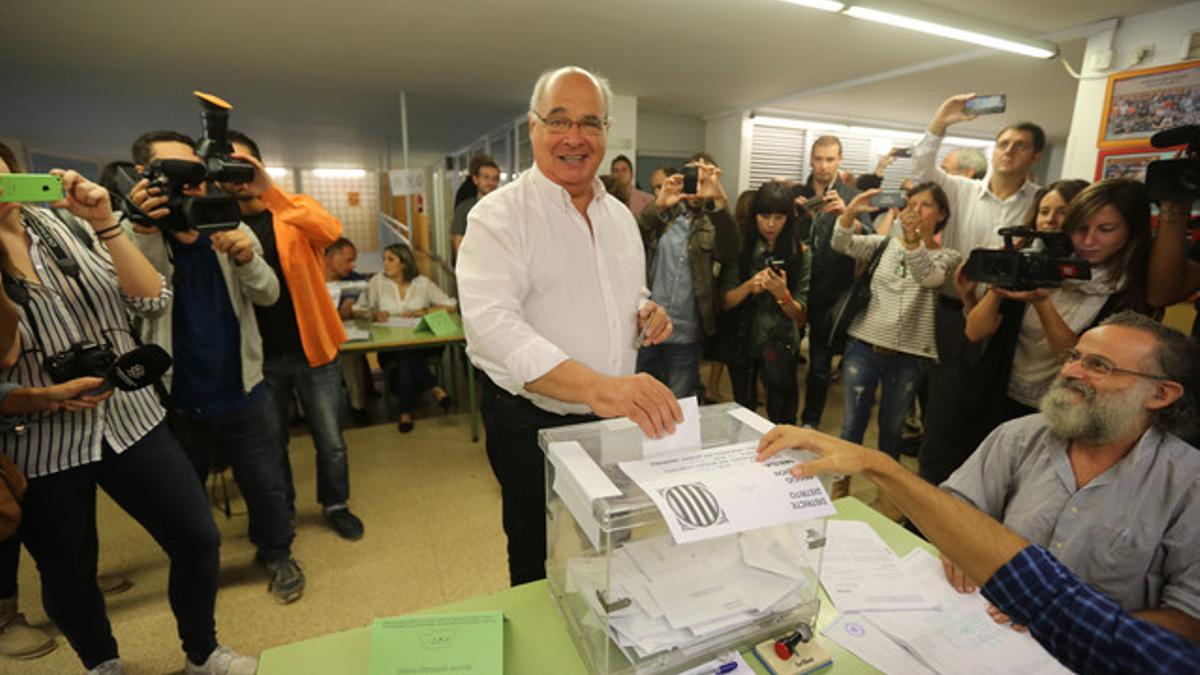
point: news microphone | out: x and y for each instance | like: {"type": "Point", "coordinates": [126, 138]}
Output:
{"type": "Point", "coordinates": [138, 367]}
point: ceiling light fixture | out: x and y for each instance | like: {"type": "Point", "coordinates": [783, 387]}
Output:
{"type": "Point", "coordinates": [339, 173]}
{"type": "Point", "coordinates": [1036, 49]}
{"type": "Point", "coordinates": [823, 5]}
{"type": "Point", "coordinates": [276, 171]}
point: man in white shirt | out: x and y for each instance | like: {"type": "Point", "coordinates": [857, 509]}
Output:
{"type": "Point", "coordinates": [980, 208]}
{"type": "Point", "coordinates": [551, 278]}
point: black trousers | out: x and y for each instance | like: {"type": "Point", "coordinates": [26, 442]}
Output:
{"type": "Point", "coordinates": [512, 424]}
{"type": "Point", "coordinates": [954, 423]}
{"type": "Point", "coordinates": [776, 364]}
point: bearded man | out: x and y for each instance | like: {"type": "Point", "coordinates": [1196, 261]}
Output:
{"type": "Point", "coordinates": [1100, 477]}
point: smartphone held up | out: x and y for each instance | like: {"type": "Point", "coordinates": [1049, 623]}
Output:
{"type": "Point", "coordinates": [30, 187]}
{"type": "Point", "coordinates": [988, 104]}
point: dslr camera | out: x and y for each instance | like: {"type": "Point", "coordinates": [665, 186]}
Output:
{"type": "Point", "coordinates": [83, 359]}
{"type": "Point", "coordinates": [214, 210]}
{"type": "Point", "coordinates": [1027, 267]}
{"type": "Point", "coordinates": [1175, 179]}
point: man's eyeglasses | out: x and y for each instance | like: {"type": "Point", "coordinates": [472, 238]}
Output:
{"type": "Point", "coordinates": [1100, 366]}
{"type": "Point", "coordinates": [588, 126]}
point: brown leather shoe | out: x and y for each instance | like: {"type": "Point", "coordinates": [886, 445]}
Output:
{"type": "Point", "coordinates": [18, 639]}
{"type": "Point", "coordinates": [111, 584]}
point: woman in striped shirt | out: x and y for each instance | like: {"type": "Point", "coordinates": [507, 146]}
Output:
{"type": "Point", "coordinates": [892, 340]}
{"type": "Point", "coordinates": [63, 291]}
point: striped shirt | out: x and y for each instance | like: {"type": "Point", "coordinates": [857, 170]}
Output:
{"type": "Point", "coordinates": [1084, 629]}
{"type": "Point", "coordinates": [53, 442]}
{"type": "Point", "coordinates": [903, 291]}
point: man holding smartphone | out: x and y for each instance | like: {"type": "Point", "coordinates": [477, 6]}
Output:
{"type": "Point", "coordinates": [688, 234]}
{"type": "Point", "coordinates": [980, 208]}
{"type": "Point", "coordinates": [823, 199]}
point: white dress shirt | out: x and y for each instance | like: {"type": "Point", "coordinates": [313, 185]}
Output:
{"type": "Point", "coordinates": [383, 295]}
{"type": "Point", "coordinates": [976, 213]}
{"type": "Point", "coordinates": [538, 287]}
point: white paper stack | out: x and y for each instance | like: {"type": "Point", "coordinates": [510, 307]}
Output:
{"type": "Point", "coordinates": [901, 615]}
{"type": "Point", "coordinates": [662, 596]}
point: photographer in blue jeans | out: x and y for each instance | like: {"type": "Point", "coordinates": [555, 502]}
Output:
{"type": "Point", "coordinates": [892, 340]}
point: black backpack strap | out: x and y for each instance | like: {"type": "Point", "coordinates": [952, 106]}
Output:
{"type": "Point", "coordinates": [73, 226]}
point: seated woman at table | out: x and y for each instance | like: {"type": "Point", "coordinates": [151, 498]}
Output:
{"type": "Point", "coordinates": [401, 290]}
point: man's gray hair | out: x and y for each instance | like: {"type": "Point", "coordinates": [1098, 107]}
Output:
{"type": "Point", "coordinates": [1177, 358]}
{"type": "Point", "coordinates": [970, 158]}
{"type": "Point", "coordinates": [539, 89]}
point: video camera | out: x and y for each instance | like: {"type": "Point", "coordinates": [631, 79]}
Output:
{"type": "Point", "coordinates": [1029, 267]}
{"type": "Point", "coordinates": [214, 210]}
{"type": "Point", "coordinates": [1175, 179]}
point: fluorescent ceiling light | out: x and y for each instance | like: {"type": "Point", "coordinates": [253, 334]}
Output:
{"type": "Point", "coordinates": [276, 171]}
{"type": "Point", "coordinates": [339, 173]}
{"type": "Point", "coordinates": [798, 124]}
{"type": "Point", "coordinates": [823, 5]}
{"type": "Point", "coordinates": [942, 30]}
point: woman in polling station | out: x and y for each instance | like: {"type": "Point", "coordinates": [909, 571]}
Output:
{"type": "Point", "coordinates": [892, 339]}
{"type": "Point", "coordinates": [402, 291]}
{"type": "Point", "coordinates": [63, 315]}
{"type": "Point", "coordinates": [767, 288]}
{"type": "Point", "coordinates": [1029, 331]}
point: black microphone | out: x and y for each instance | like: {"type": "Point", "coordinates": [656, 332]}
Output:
{"type": "Point", "coordinates": [138, 367]}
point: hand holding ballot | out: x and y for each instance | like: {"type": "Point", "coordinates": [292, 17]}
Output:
{"type": "Point", "coordinates": [836, 455]}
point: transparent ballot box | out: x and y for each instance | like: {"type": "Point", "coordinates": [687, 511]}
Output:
{"type": "Point", "coordinates": [635, 599]}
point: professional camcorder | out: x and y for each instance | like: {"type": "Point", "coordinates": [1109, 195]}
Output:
{"type": "Point", "coordinates": [1175, 179]}
{"type": "Point", "coordinates": [1029, 267]}
{"type": "Point", "coordinates": [214, 210]}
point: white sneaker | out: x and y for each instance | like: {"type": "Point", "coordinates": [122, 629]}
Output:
{"type": "Point", "coordinates": [109, 667]}
{"type": "Point", "coordinates": [223, 661]}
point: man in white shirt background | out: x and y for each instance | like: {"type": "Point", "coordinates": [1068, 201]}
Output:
{"type": "Point", "coordinates": [980, 208]}
{"type": "Point", "coordinates": [551, 279]}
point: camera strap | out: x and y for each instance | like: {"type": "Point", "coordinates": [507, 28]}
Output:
{"type": "Point", "coordinates": [18, 290]}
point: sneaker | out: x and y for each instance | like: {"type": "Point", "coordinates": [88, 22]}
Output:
{"type": "Point", "coordinates": [109, 667]}
{"type": "Point", "coordinates": [18, 639]}
{"type": "Point", "coordinates": [223, 661]}
{"type": "Point", "coordinates": [287, 580]}
{"type": "Point", "coordinates": [346, 524]}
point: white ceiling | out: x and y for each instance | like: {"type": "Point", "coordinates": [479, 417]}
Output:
{"type": "Point", "coordinates": [317, 81]}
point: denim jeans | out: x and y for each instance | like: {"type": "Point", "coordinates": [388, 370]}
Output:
{"type": "Point", "coordinates": [320, 392]}
{"type": "Point", "coordinates": [863, 368]}
{"type": "Point", "coordinates": [820, 365]}
{"type": "Point", "coordinates": [249, 441]}
{"type": "Point", "coordinates": [776, 364]}
{"type": "Point", "coordinates": [153, 482]}
{"type": "Point", "coordinates": [675, 365]}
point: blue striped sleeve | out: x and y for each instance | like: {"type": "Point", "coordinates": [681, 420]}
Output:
{"type": "Point", "coordinates": [1084, 629]}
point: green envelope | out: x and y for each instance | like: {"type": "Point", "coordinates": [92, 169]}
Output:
{"type": "Point", "coordinates": [439, 323]}
{"type": "Point", "coordinates": [462, 644]}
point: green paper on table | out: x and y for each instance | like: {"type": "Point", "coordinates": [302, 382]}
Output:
{"type": "Point", "coordinates": [439, 323]}
{"type": "Point", "coordinates": [462, 644]}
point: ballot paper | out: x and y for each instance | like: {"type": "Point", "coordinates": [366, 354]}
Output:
{"type": "Point", "coordinates": [354, 333]}
{"type": "Point", "coordinates": [685, 437]}
{"type": "Point", "coordinates": [860, 572]}
{"type": "Point", "coordinates": [659, 595]}
{"type": "Point", "coordinates": [713, 492]}
{"type": "Point", "coordinates": [400, 322]}
{"type": "Point", "coordinates": [960, 636]}
{"type": "Point", "coordinates": [861, 638]}
{"type": "Point", "coordinates": [578, 481]}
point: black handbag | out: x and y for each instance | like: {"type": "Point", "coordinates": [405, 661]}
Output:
{"type": "Point", "coordinates": [853, 302]}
